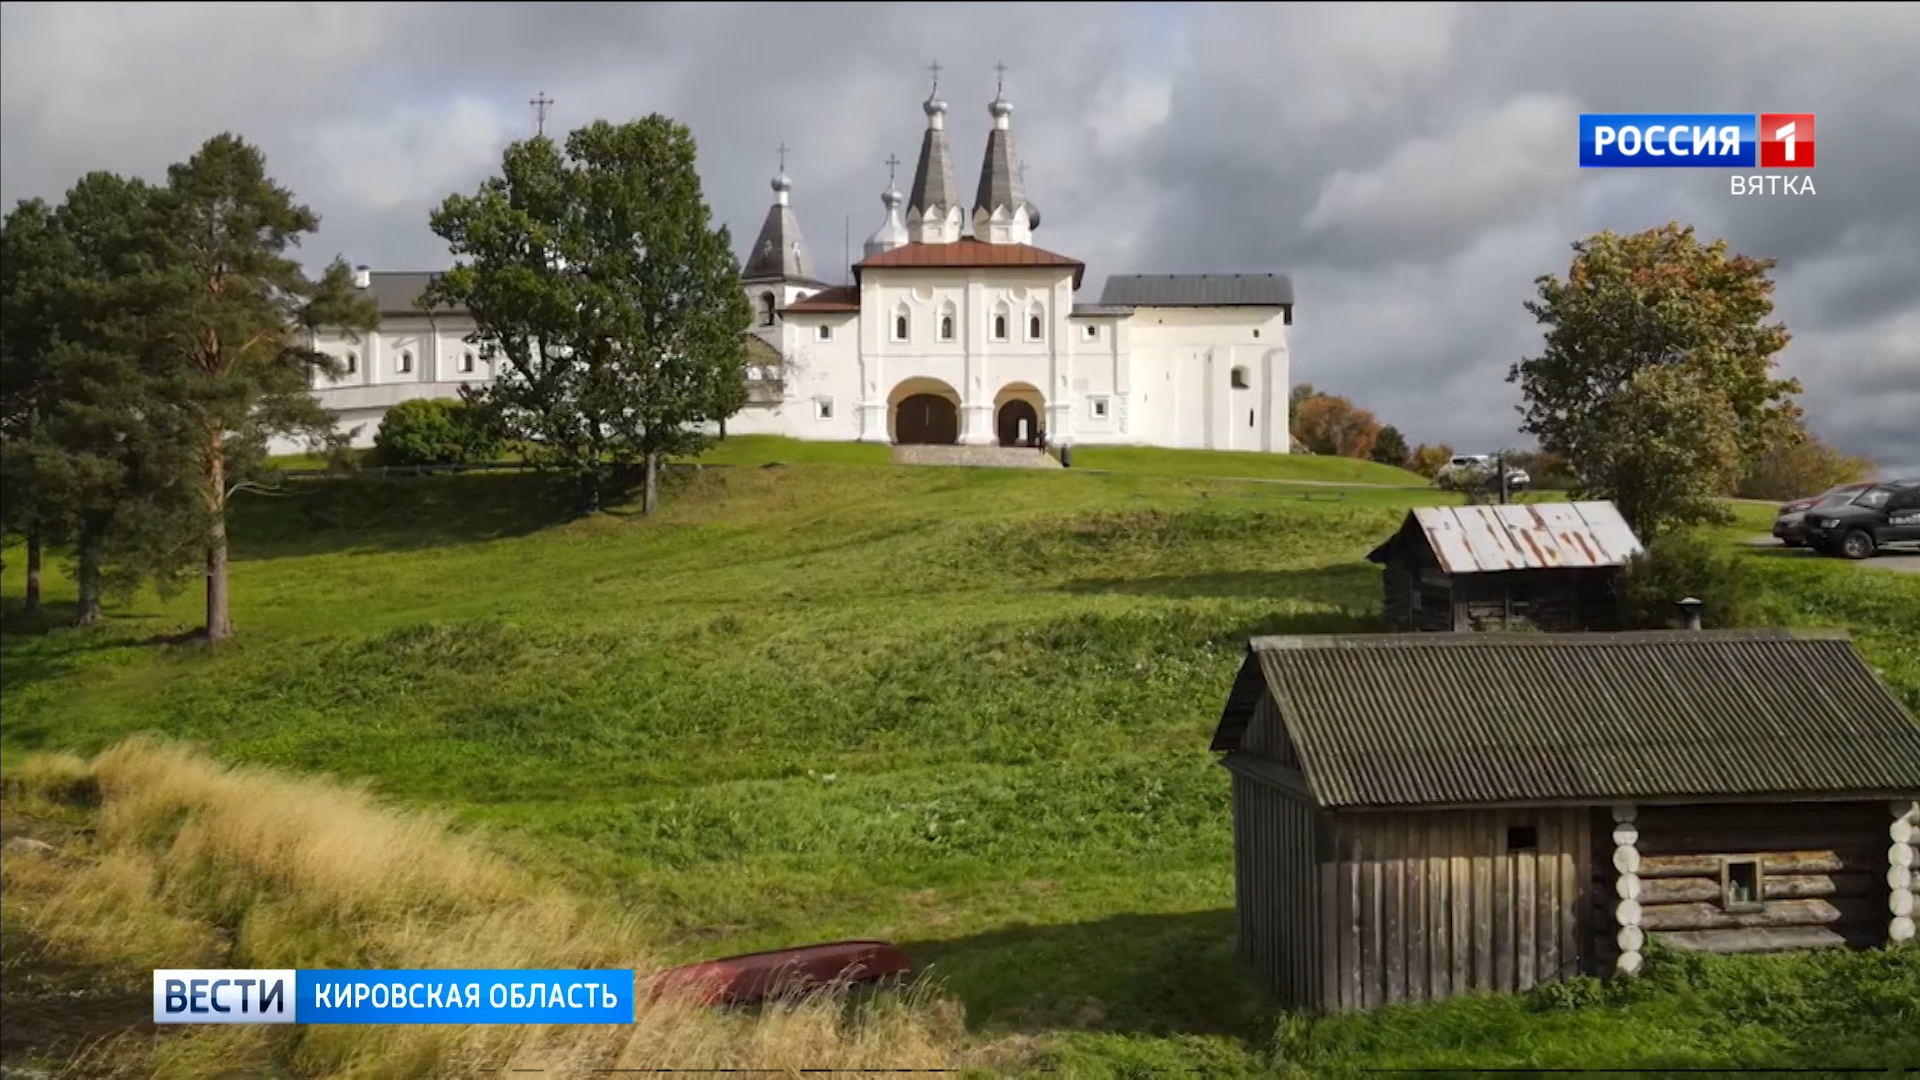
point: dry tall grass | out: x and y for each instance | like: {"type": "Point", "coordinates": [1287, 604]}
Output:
{"type": "Point", "coordinates": [193, 864]}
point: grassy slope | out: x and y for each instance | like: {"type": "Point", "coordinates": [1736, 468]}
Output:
{"type": "Point", "coordinates": [963, 709]}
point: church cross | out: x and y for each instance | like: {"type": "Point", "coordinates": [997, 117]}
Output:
{"type": "Point", "coordinates": [1000, 83]}
{"type": "Point", "coordinates": [540, 105]}
{"type": "Point", "coordinates": [893, 163]}
{"type": "Point", "coordinates": [1020, 173]}
{"type": "Point", "coordinates": [783, 155]}
{"type": "Point", "coordinates": [935, 68]}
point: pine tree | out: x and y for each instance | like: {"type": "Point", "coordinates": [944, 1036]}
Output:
{"type": "Point", "coordinates": [98, 459]}
{"type": "Point", "coordinates": [236, 328]}
{"type": "Point", "coordinates": [615, 303]}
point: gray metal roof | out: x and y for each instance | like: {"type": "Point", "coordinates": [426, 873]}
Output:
{"type": "Point", "coordinates": [1407, 720]}
{"type": "Point", "coordinates": [1528, 536]}
{"type": "Point", "coordinates": [1099, 309]}
{"type": "Point", "coordinates": [779, 253]}
{"type": "Point", "coordinates": [1198, 290]}
{"type": "Point", "coordinates": [398, 292]}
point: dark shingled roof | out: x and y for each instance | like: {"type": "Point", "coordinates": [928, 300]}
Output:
{"type": "Point", "coordinates": [832, 298]}
{"type": "Point", "coordinates": [1198, 290]}
{"type": "Point", "coordinates": [1408, 720]}
{"type": "Point", "coordinates": [398, 292]}
{"type": "Point", "coordinates": [779, 253]}
{"type": "Point", "coordinates": [933, 187]}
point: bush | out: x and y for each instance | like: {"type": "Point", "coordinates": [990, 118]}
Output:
{"type": "Point", "coordinates": [1682, 565]}
{"type": "Point", "coordinates": [434, 431]}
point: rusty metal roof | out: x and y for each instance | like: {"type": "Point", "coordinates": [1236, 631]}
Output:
{"type": "Point", "coordinates": [969, 253]}
{"type": "Point", "coordinates": [1409, 720]}
{"type": "Point", "coordinates": [1523, 536]}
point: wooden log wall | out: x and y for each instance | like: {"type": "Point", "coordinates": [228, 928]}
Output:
{"type": "Point", "coordinates": [1396, 602]}
{"type": "Point", "coordinates": [1276, 905]}
{"type": "Point", "coordinates": [1419, 907]}
{"type": "Point", "coordinates": [1903, 865]}
{"type": "Point", "coordinates": [1823, 876]}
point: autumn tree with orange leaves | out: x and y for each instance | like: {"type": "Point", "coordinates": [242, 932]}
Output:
{"type": "Point", "coordinates": [1334, 426]}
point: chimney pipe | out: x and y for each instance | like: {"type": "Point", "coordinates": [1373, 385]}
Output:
{"type": "Point", "coordinates": [1690, 613]}
{"type": "Point", "coordinates": [362, 277]}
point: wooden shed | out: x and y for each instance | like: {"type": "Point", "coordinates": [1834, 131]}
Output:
{"type": "Point", "coordinates": [1422, 815]}
{"type": "Point", "coordinates": [1545, 566]}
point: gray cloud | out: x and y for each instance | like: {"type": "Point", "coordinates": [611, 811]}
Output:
{"type": "Point", "coordinates": [1411, 165]}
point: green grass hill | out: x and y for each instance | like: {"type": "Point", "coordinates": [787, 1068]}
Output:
{"type": "Point", "coordinates": [966, 710]}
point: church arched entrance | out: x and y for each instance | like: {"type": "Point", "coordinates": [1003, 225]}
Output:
{"type": "Point", "coordinates": [1018, 424]}
{"type": "Point", "coordinates": [926, 419]}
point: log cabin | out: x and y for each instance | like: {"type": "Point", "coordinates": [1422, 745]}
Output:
{"type": "Point", "coordinates": [1417, 816]}
{"type": "Point", "coordinates": [1543, 566]}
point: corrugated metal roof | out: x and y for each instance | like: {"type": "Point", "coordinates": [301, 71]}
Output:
{"type": "Point", "coordinates": [1525, 536]}
{"type": "Point", "coordinates": [1083, 310]}
{"type": "Point", "coordinates": [1404, 720]}
{"type": "Point", "coordinates": [1198, 290]}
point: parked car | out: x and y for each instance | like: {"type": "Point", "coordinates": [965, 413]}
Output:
{"type": "Point", "coordinates": [1464, 471]}
{"type": "Point", "coordinates": [1881, 515]}
{"type": "Point", "coordinates": [1789, 525]}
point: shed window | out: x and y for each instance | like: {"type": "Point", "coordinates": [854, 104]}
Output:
{"type": "Point", "coordinates": [1740, 885]}
{"type": "Point", "coordinates": [1522, 838]}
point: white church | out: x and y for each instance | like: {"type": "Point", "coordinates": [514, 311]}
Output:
{"type": "Point", "coordinates": [957, 329]}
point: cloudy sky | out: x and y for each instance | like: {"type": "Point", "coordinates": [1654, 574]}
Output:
{"type": "Point", "coordinates": [1413, 167]}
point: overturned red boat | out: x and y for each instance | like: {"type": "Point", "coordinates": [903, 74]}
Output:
{"type": "Point", "coordinates": [756, 977]}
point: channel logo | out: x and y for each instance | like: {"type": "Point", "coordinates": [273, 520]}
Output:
{"type": "Point", "coordinates": [1697, 140]}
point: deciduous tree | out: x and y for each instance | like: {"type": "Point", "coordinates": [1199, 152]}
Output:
{"type": "Point", "coordinates": [615, 302]}
{"type": "Point", "coordinates": [1801, 464]}
{"type": "Point", "coordinates": [1390, 448]}
{"type": "Point", "coordinates": [1429, 460]}
{"type": "Point", "coordinates": [236, 319]}
{"type": "Point", "coordinates": [1657, 383]}
{"type": "Point", "coordinates": [1326, 424]}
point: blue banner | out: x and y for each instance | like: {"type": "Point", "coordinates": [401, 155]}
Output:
{"type": "Point", "coordinates": [464, 997]}
{"type": "Point", "coordinates": [1668, 140]}
{"type": "Point", "coordinates": [392, 997]}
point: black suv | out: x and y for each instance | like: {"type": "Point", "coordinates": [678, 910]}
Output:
{"type": "Point", "coordinates": [1886, 514]}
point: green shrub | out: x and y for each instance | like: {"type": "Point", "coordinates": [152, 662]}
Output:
{"type": "Point", "coordinates": [1682, 565]}
{"type": "Point", "coordinates": [434, 431]}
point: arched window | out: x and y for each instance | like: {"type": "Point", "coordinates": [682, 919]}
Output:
{"type": "Point", "coordinates": [1033, 327]}
{"type": "Point", "coordinates": [946, 328]}
{"type": "Point", "coordinates": [353, 362]}
{"type": "Point", "coordinates": [1239, 378]}
{"type": "Point", "coordinates": [466, 363]}
{"type": "Point", "coordinates": [1000, 327]}
{"type": "Point", "coordinates": [902, 323]}
{"type": "Point", "coordinates": [766, 309]}
{"type": "Point", "coordinates": [406, 363]}
{"type": "Point", "coordinates": [949, 320]}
